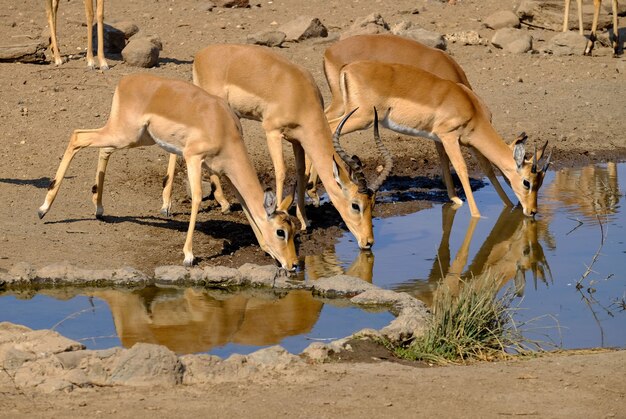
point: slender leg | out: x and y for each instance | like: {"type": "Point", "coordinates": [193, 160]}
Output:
{"type": "Point", "coordinates": [79, 139]}
{"type": "Point", "coordinates": [194, 173]}
{"type": "Point", "coordinates": [98, 188]}
{"type": "Point", "coordinates": [447, 176]}
{"type": "Point", "coordinates": [615, 43]}
{"type": "Point", "coordinates": [218, 193]}
{"type": "Point", "coordinates": [275, 146]}
{"type": "Point", "coordinates": [89, 16]}
{"type": "Point", "coordinates": [488, 169]}
{"type": "Point", "coordinates": [581, 29]}
{"type": "Point", "coordinates": [102, 62]}
{"type": "Point", "coordinates": [594, 27]}
{"type": "Point", "coordinates": [51, 12]}
{"type": "Point", "coordinates": [168, 185]}
{"type": "Point", "coordinates": [566, 15]}
{"type": "Point", "coordinates": [453, 150]}
{"type": "Point", "coordinates": [298, 153]}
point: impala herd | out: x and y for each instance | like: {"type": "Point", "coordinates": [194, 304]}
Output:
{"type": "Point", "coordinates": [416, 90]}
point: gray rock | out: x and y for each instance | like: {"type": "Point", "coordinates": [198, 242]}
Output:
{"type": "Point", "coordinates": [429, 38]}
{"type": "Point", "coordinates": [304, 27]}
{"type": "Point", "coordinates": [29, 52]}
{"type": "Point", "coordinates": [267, 38]}
{"type": "Point", "coordinates": [411, 322]}
{"type": "Point", "coordinates": [466, 38]}
{"type": "Point", "coordinates": [260, 275]}
{"type": "Point", "coordinates": [371, 24]}
{"type": "Point", "coordinates": [114, 39]}
{"type": "Point", "coordinates": [317, 352]}
{"type": "Point", "coordinates": [512, 40]}
{"type": "Point", "coordinates": [146, 365]}
{"type": "Point", "coordinates": [502, 19]}
{"type": "Point", "coordinates": [200, 369]}
{"type": "Point", "coordinates": [341, 285]}
{"type": "Point", "coordinates": [566, 43]}
{"type": "Point", "coordinates": [141, 52]}
{"type": "Point", "coordinates": [273, 358]}
{"type": "Point", "coordinates": [232, 3]}
{"type": "Point", "coordinates": [127, 27]}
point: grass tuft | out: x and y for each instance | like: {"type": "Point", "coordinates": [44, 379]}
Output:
{"type": "Point", "coordinates": [469, 325]}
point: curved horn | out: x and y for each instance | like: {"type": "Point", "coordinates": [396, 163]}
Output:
{"type": "Point", "coordinates": [547, 163]}
{"type": "Point", "coordinates": [385, 153]}
{"type": "Point", "coordinates": [533, 168]}
{"type": "Point", "coordinates": [356, 170]}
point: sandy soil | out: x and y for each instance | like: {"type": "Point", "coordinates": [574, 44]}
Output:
{"type": "Point", "coordinates": [574, 102]}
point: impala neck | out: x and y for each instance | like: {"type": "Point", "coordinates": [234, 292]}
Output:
{"type": "Point", "coordinates": [246, 183]}
{"type": "Point", "coordinates": [491, 145]}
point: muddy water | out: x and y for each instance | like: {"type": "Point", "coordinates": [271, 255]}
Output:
{"type": "Point", "coordinates": [568, 268]}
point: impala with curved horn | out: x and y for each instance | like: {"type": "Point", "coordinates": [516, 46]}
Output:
{"type": "Point", "coordinates": [261, 85]}
{"type": "Point", "coordinates": [397, 49]}
{"type": "Point", "coordinates": [418, 103]}
{"type": "Point", "coordinates": [184, 119]}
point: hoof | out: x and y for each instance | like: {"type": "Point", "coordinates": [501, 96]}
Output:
{"type": "Point", "coordinates": [226, 210]}
{"type": "Point", "coordinates": [166, 212]}
{"type": "Point", "coordinates": [41, 213]}
{"type": "Point", "coordinates": [188, 262]}
{"type": "Point", "coordinates": [457, 201]}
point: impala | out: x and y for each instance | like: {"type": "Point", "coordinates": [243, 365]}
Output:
{"type": "Point", "coordinates": [594, 24]}
{"type": "Point", "coordinates": [51, 12]}
{"type": "Point", "coordinates": [184, 119]}
{"type": "Point", "coordinates": [418, 103]}
{"type": "Point", "coordinates": [262, 85]}
{"type": "Point", "coordinates": [396, 49]}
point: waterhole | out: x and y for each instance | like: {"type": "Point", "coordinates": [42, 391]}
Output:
{"type": "Point", "coordinates": [567, 268]}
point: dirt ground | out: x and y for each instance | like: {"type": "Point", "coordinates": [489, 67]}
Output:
{"type": "Point", "coordinates": [576, 102]}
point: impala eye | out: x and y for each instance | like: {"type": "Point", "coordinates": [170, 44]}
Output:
{"type": "Point", "coordinates": [356, 207]}
{"type": "Point", "coordinates": [280, 233]}
{"type": "Point", "coordinates": [526, 184]}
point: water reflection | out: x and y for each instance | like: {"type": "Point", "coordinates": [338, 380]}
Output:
{"type": "Point", "coordinates": [588, 191]}
{"type": "Point", "coordinates": [193, 320]}
{"type": "Point", "coordinates": [510, 251]}
{"type": "Point", "coordinates": [326, 264]}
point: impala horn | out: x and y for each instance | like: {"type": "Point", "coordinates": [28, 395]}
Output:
{"type": "Point", "coordinates": [355, 168]}
{"type": "Point", "coordinates": [386, 156]}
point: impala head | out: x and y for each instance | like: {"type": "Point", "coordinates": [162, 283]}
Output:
{"type": "Point", "coordinates": [530, 174]}
{"type": "Point", "coordinates": [359, 197]}
{"type": "Point", "coordinates": [278, 233]}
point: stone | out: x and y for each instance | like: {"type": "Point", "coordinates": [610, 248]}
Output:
{"type": "Point", "coordinates": [502, 19]}
{"type": "Point", "coordinates": [114, 39]}
{"type": "Point", "coordinates": [232, 3]}
{"type": "Point", "coordinates": [369, 25]}
{"type": "Point", "coordinates": [141, 52]}
{"type": "Point", "coordinates": [303, 27]}
{"type": "Point", "coordinates": [466, 38]}
{"type": "Point", "coordinates": [29, 52]}
{"type": "Point", "coordinates": [429, 38]}
{"type": "Point", "coordinates": [341, 285]}
{"type": "Point", "coordinates": [566, 43]}
{"type": "Point", "coordinates": [145, 365]}
{"type": "Point", "coordinates": [267, 38]}
{"type": "Point", "coordinates": [274, 358]}
{"type": "Point", "coordinates": [512, 40]}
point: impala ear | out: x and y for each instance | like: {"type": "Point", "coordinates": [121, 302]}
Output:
{"type": "Point", "coordinates": [519, 151]}
{"type": "Point", "coordinates": [269, 202]}
{"type": "Point", "coordinates": [341, 177]}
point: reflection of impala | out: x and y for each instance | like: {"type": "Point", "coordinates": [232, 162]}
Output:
{"type": "Point", "coordinates": [510, 249]}
{"type": "Point", "coordinates": [590, 190]}
{"type": "Point", "coordinates": [325, 265]}
{"type": "Point", "coordinates": [262, 85]}
{"type": "Point", "coordinates": [418, 103]}
{"type": "Point", "coordinates": [190, 320]}
{"type": "Point", "coordinates": [184, 119]}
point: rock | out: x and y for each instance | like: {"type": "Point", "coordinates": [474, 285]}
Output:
{"type": "Point", "coordinates": [411, 322]}
{"type": "Point", "coordinates": [566, 43]}
{"type": "Point", "coordinates": [502, 19]}
{"type": "Point", "coordinates": [371, 24]}
{"type": "Point", "coordinates": [200, 369]}
{"type": "Point", "coordinates": [146, 365]}
{"type": "Point", "coordinates": [273, 358]}
{"type": "Point", "coordinates": [512, 40]}
{"type": "Point", "coordinates": [267, 38]}
{"type": "Point", "coordinates": [303, 27]}
{"type": "Point", "coordinates": [114, 39]}
{"type": "Point", "coordinates": [30, 52]}
{"type": "Point", "coordinates": [232, 3]}
{"type": "Point", "coordinates": [466, 38]}
{"type": "Point", "coordinates": [40, 343]}
{"type": "Point", "coordinates": [431, 39]}
{"type": "Point", "coordinates": [155, 39]}
{"type": "Point", "coordinates": [141, 52]}
{"type": "Point", "coordinates": [317, 352]}
{"type": "Point", "coordinates": [341, 285]}
{"type": "Point", "coordinates": [260, 275]}
{"type": "Point", "coordinates": [67, 274]}
{"type": "Point", "coordinates": [127, 27]}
